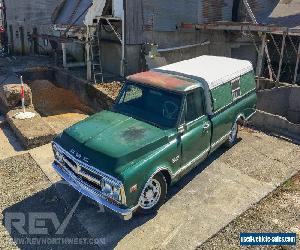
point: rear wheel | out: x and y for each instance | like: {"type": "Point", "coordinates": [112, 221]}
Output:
{"type": "Point", "coordinates": [153, 194]}
{"type": "Point", "coordinates": [232, 136]}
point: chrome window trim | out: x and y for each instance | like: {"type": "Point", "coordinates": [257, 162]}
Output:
{"type": "Point", "coordinates": [190, 163]}
{"type": "Point", "coordinates": [196, 120]}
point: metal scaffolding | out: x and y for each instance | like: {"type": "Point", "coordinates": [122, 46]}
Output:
{"type": "Point", "coordinates": [262, 31]}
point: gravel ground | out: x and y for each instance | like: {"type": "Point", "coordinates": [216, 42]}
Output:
{"type": "Point", "coordinates": [25, 189]}
{"type": "Point", "coordinates": [110, 89]}
{"type": "Point", "coordinates": [278, 212]}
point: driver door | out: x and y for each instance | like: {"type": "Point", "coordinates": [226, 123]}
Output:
{"type": "Point", "coordinates": [195, 140]}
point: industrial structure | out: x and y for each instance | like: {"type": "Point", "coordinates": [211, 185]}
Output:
{"type": "Point", "coordinates": [119, 37]}
{"type": "Point", "coordinates": [26, 19]}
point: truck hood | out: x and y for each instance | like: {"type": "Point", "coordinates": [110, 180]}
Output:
{"type": "Point", "coordinates": [111, 140]}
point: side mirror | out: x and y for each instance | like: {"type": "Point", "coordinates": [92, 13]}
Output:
{"type": "Point", "coordinates": [181, 130]}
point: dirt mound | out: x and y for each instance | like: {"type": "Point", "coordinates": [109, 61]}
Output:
{"type": "Point", "coordinates": [51, 100]}
{"type": "Point", "coordinates": [110, 89]}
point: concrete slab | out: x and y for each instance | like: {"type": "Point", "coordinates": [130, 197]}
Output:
{"type": "Point", "coordinates": [31, 132]}
{"type": "Point", "coordinates": [44, 158]}
{"type": "Point", "coordinates": [9, 144]}
{"type": "Point", "coordinates": [43, 155]}
{"type": "Point", "coordinates": [203, 202]}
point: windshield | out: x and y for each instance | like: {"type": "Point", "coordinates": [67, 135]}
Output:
{"type": "Point", "coordinates": [155, 106]}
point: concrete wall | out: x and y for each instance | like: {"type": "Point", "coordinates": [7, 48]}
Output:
{"type": "Point", "coordinates": [279, 111]}
{"type": "Point", "coordinates": [218, 46]}
{"type": "Point", "coordinates": [282, 101]}
{"type": "Point", "coordinates": [274, 101]}
{"type": "Point", "coordinates": [276, 125]}
{"type": "Point", "coordinates": [27, 15]}
{"type": "Point", "coordinates": [111, 52]}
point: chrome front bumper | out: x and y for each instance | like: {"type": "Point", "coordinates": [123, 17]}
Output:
{"type": "Point", "coordinates": [77, 184]}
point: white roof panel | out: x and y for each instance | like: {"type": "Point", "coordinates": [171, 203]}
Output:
{"type": "Point", "coordinates": [213, 69]}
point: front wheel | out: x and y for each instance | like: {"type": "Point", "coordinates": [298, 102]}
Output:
{"type": "Point", "coordinates": [153, 194]}
{"type": "Point", "coordinates": [232, 136]}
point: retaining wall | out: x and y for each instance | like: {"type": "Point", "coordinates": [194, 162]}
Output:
{"type": "Point", "coordinates": [278, 111]}
{"type": "Point", "coordinates": [85, 91]}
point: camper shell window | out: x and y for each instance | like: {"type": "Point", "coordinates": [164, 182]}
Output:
{"type": "Point", "coordinates": [236, 88]}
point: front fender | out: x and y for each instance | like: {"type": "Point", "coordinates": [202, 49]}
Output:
{"type": "Point", "coordinates": [136, 176]}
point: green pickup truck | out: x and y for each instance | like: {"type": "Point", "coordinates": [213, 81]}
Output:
{"type": "Point", "coordinates": [164, 123]}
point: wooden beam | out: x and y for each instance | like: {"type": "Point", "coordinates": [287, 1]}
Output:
{"type": "Point", "coordinates": [253, 18]}
{"type": "Point", "coordinates": [237, 26]}
{"type": "Point", "coordinates": [88, 61]}
{"type": "Point", "coordinates": [261, 55]}
{"type": "Point", "coordinates": [260, 59]}
{"type": "Point", "coordinates": [281, 56]}
{"type": "Point", "coordinates": [297, 65]}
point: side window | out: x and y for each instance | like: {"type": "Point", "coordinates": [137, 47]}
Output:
{"type": "Point", "coordinates": [194, 105]}
{"type": "Point", "coordinates": [236, 88]}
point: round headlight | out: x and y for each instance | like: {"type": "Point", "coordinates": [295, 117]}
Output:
{"type": "Point", "coordinates": [102, 184]}
{"type": "Point", "coordinates": [116, 194]}
{"type": "Point", "coordinates": [107, 188]}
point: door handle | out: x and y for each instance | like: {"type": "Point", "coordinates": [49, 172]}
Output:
{"type": "Point", "coordinates": [206, 126]}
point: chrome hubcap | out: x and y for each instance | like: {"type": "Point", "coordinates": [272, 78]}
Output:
{"type": "Point", "coordinates": [233, 132]}
{"type": "Point", "coordinates": [150, 195]}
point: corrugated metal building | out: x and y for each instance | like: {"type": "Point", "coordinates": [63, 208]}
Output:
{"type": "Point", "coordinates": [26, 17]}
{"type": "Point", "coordinates": [153, 21]}
{"type": "Point", "coordinates": [144, 22]}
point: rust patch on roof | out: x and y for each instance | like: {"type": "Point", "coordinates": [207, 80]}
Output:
{"type": "Point", "coordinates": [161, 80]}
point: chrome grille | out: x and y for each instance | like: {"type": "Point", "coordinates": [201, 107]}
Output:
{"type": "Point", "coordinates": [86, 174]}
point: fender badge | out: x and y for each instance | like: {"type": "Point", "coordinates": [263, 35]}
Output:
{"type": "Point", "coordinates": [174, 160]}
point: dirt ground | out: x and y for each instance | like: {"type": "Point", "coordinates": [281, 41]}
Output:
{"type": "Point", "coordinates": [59, 107]}
{"type": "Point", "coordinates": [51, 100]}
{"type": "Point", "coordinates": [278, 212]}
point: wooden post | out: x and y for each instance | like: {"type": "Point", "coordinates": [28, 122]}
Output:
{"type": "Point", "coordinates": [281, 56]}
{"type": "Point", "coordinates": [261, 55]}
{"type": "Point", "coordinates": [64, 50]}
{"type": "Point", "coordinates": [297, 65]}
{"type": "Point", "coordinates": [260, 59]}
{"type": "Point", "coordinates": [253, 18]}
{"type": "Point", "coordinates": [88, 61]}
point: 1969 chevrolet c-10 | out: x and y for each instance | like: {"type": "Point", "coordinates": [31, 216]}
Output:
{"type": "Point", "coordinates": [164, 123]}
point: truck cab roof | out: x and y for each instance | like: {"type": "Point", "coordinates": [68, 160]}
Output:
{"type": "Point", "coordinates": [207, 72]}
{"type": "Point", "coordinates": [186, 75]}
{"type": "Point", "coordinates": [212, 70]}
{"type": "Point", "coordinates": [171, 82]}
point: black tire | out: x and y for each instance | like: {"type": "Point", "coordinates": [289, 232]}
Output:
{"type": "Point", "coordinates": [233, 135]}
{"type": "Point", "coordinates": [158, 178]}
